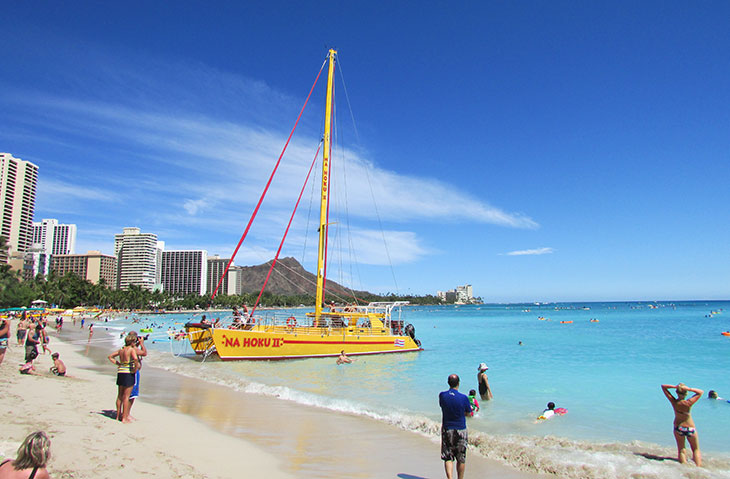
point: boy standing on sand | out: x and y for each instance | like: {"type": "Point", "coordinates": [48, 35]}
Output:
{"type": "Point", "coordinates": [684, 425]}
{"type": "Point", "coordinates": [454, 409]}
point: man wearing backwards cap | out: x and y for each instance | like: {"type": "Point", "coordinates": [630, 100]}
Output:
{"type": "Point", "coordinates": [484, 390]}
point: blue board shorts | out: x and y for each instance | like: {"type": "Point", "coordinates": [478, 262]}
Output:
{"type": "Point", "coordinates": [135, 388]}
{"type": "Point", "coordinates": [3, 344]}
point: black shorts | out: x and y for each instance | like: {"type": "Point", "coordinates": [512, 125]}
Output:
{"type": "Point", "coordinates": [125, 380]}
{"type": "Point", "coordinates": [453, 445]}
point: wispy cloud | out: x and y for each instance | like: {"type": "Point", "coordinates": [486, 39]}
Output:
{"type": "Point", "coordinates": [533, 252]}
{"type": "Point", "coordinates": [180, 158]}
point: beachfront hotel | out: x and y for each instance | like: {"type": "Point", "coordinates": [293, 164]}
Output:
{"type": "Point", "coordinates": [50, 237]}
{"type": "Point", "coordinates": [92, 266]}
{"type": "Point", "coordinates": [185, 272]}
{"type": "Point", "coordinates": [18, 180]}
{"type": "Point", "coordinates": [231, 282]}
{"type": "Point", "coordinates": [139, 259]}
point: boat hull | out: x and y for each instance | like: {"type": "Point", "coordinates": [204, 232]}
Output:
{"type": "Point", "coordinates": [277, 342]}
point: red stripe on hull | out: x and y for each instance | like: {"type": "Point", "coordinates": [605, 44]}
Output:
{"type": "Point", "coordinates": [281, 358]}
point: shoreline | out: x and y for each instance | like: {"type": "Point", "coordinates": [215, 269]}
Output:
{"type": "Point", "coordinates": [87, 443]}
{"type": "Point", "coordinates": [306, 440]}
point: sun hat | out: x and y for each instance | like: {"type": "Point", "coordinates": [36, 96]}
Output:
{"type": "Point", "coordinates": [482, 367]}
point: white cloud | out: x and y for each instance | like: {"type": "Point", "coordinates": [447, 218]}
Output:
{"type": "Point", "coordinates": [525, 252]}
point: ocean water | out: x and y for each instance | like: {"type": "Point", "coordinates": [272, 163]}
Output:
{"type": "Point", "coordinates": [607, 374]}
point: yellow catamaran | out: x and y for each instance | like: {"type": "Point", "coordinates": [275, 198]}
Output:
{"type": "Point", "coordinates": [376, 328]}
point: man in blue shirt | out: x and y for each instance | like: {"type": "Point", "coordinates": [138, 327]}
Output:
{"type": "Point", "coordinates": [454, 408]}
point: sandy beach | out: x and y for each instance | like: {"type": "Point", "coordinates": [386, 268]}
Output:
{"type": "Point", "coordinates": [188, 428]}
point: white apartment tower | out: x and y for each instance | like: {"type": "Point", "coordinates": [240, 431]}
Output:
{"type": "Point", "coordinates": [18, 181]}
{"type": "Point", "coordinates": [137, 257]}
{"type": "Point", "coordinates": [185, 272]}
{"type": "Point", "coordinates": [50, 237]}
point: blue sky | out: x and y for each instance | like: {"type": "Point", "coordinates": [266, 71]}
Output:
{"type": "Point", "coordinates": [539, 151]}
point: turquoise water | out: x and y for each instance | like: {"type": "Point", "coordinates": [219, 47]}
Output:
{"type": "Point", "coordinates": [607, 374]}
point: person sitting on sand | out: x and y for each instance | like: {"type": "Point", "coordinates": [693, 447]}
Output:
{"type": "Point", "coordinates": [343, 359]}
{"type": "Point", "coordinates": [27, 368]}
{"type": "Point", "coordinates": [684, 426]}
{"type": "Point", "coordinates": [33, 455]}
{"type": "Point", "coordinates": [473, 401]}
{"type": "Point", "coordinates": [58, 369]}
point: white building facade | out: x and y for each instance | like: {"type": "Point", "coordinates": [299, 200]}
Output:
{"type": "Point", "coordinates": [18, 180]}
{"type": "Point", "coordinates": [50, 237]}
{"type": "Point", "coordinates": [137, 259]}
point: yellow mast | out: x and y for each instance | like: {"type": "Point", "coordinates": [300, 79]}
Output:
{"type": "Point", "coordinates": [325, 189]}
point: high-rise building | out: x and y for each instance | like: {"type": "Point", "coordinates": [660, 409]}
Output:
{"type": "Point", "coordinates": [137, 259]}
{"type": "Point", "coordinates": [18, 181]}
{"type": "Point", "coordinates": [92, 266]}
{"type": "Point", "coordinates": [184, 272]}
{"type": "Point", "coordinates": [216, 266]}
{"type": "Point", "coordinates": [50, 237]}
{"type": "Point", "coordinates": [35, 262]}
{"type": "Point", "coordinates": [231, 282]}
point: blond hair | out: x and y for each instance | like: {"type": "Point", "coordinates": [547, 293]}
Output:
{"type": "Point", "coordinates": [681, 390]}
{"type": "Point", "coordinates": [35, 451]}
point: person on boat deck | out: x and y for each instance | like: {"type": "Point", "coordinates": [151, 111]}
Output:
{"type": "Point", "coordinates": [204, 321]}
{"type": "Point", "coordinates": [332, 307]}
{"type": "Point", "coordinates": [343, 359]}
{"type": "Point", "coordinates": [33, 455]}
{"type": "Point", "coordinates": [684, 426]}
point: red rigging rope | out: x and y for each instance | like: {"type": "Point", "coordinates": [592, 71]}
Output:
{"type": "Point", "coordinates": [263, 194]}
{"type": "Point", "coordinates": [281, 244]}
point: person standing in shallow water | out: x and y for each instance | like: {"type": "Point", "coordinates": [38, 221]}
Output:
{"type": "Point", "coordinates": [684, 425]}
{"type": "Point", "coordinates": [484, 390]}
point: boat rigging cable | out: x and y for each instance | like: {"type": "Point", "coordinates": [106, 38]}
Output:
{"type": "Point", "coordinates": [370, 183]}
{"type": "Point", "coordinates": [291, 218]}
{"type": "Point", "coordinates": [268, 183]}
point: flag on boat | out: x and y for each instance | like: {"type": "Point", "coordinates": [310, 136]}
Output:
{"type": "Point", "coordinates": [400, 343]}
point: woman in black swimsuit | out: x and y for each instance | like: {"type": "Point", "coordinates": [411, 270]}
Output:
{"type": "Point", "coordinates": [33, 455]}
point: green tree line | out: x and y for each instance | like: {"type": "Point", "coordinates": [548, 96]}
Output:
{"type": "Point", "coordinates": [70, 290]}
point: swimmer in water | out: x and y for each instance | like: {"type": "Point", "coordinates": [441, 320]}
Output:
{"type": "Point", "coordinates": [343, 359]}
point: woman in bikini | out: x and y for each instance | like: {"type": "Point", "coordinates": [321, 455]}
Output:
{"type": "Point", "coordinates": [33, 455]}
{"type": "Point", "coordinates": [684, 426]}
{"type": "Point", "coordinates": [127, 366]}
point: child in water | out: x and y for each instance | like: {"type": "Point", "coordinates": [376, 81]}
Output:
{"type": "Point", "coordinates": [549, 412]}
{"type": "Point", "coordinates": [473, 401]}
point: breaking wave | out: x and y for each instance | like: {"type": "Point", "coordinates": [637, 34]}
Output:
{"type": "Point", "coordinates": [552, 455]}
